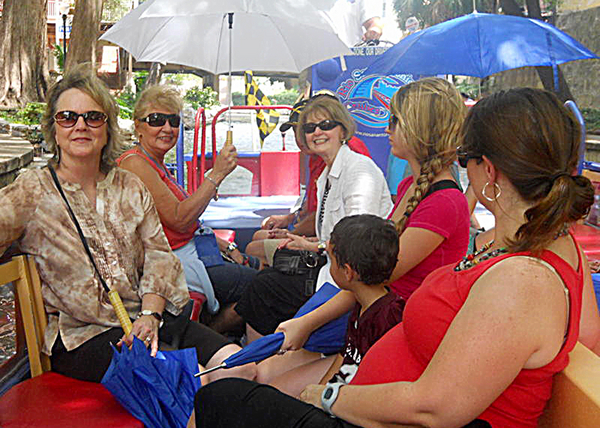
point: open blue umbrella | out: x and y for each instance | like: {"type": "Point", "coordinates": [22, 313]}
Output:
{"type": "Point", "coordinates": [328, 339]}
{"type": "Point", "coordinates": [158, 391]}
{"type": "Point", "coordinates": [481, 44]}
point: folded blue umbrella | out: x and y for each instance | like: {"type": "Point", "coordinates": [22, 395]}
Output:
{"type": "Point", "coordinates": [328, 339]}
{"type": "Point", "coordinates": [158, 391]}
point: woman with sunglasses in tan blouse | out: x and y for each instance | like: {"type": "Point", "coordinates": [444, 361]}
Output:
{"type": "Point", "coordinates": [119, 224]}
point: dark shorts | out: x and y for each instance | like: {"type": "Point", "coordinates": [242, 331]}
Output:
{"type": "Point", "coordinates": [256, 406]}
{"type": "Point", "coordinates": [90, 360]}
{"type": "Point", "coordinates": [230, 280]}
{"type": "Point", "coordinates": [262, 406]}
{"type": "Point", "coordinates": [271, 298]}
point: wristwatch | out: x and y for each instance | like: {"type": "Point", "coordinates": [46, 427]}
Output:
{"type": "Point", "coordinates": [149, 313]}
{"type": "Point", "coordinates": [330, 394]}
{"type": "Point", "coordinates": [232, 247]}
{"type": "Point", "coordinates": [321, 247]}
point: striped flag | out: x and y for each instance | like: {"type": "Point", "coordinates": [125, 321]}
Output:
{"type": "Point", "coordinates": [265, 119]}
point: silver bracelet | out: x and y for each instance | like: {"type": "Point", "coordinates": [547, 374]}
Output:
{"type": "Point", "coordinates": [212, 180]}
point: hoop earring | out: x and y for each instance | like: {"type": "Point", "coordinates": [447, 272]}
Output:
{"type": "Point", "coordinates": [496, 195]}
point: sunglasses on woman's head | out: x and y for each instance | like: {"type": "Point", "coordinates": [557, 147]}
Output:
{"type": "Point", "coordinates": [159, 119]}
{"type": "Point", "coordinates": [393, 122]}
{"type": "Point", "coordinates": [464, 157]}
{"type": "Point", "coordinates": [68, 119]}
{"type": "Point", "coordinates": [325, 125]}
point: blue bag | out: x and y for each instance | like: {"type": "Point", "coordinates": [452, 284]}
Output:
{"type": "Point", "coordinates": [207, 247]}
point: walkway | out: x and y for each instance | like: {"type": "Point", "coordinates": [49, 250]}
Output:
{"type": "Point", "coordinates": [15, 154]}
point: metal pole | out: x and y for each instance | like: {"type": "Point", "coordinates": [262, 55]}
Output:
{"type": "Point", "coordinates": [64, 18]}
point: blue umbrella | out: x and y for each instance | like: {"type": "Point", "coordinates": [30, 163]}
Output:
{"type": "Point", "coordinates": [327, 339]}
{"type": "Point", "coordinates": [481, 44]}
{"type": "Point", "coordinates": [158, 391]}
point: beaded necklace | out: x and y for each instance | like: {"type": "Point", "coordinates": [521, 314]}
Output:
{"type": "Point", "coordinates": [469, 261]}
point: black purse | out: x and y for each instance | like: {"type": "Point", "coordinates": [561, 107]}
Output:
{"type": "Point", "coordinates": [300, 262]}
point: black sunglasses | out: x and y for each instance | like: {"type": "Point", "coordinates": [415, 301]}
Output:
{"type": "Point", "coordinates": [159, 119]}
{"type": "Point", "coordinates": [68, 119]}
{"type": "Point", "coordinates": [325, 125]}
{"type": "Point", "coordinates": [393, 122]}
{"type": "Point", "coordinates": [464, 157]}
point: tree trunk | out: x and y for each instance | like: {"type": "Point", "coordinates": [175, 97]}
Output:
{"type": "Point", "coordinates": [156, 72]}
{"type": "Point", "coordinates": [23, 67]}
{"type": "Point", "coordinates": [546, 74]}
{"type": "Point", "coordinates": [85, 33]}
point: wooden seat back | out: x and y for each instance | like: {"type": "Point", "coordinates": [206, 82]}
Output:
{"type": "Point", "coordinates": [575, 401]}
{"type": "Point", "coordinates": [21, 272]}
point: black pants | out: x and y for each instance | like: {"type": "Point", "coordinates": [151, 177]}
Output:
{"type": "Point", "coordinates": [244, 404]}
{"type": "Point", "coordinates": [90, 360]}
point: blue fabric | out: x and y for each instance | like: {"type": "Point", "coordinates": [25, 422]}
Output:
{"type": "Point", "coordinates": [366, 96]}
{"type": "Point", "coordinates": [596, 280]}
{"type": "Point", "coordinates": [395, 173]}
{"type": "Point", "coordinates": [480, 44]}
{"type": "Point", "coordinates": [328, 339]}
{"type": "Point", "coordinates": [207, 247]}
{"type": "Point", "coordinates": [158, 391]}
{"type": "Point", "coordinates": [196, 276]}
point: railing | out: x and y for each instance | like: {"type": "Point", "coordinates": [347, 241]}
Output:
{"type": "Point", "coordinates": [52, 9]}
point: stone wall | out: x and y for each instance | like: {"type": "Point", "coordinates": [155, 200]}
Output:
{"type": "Point", "coordinates": [583, 77]}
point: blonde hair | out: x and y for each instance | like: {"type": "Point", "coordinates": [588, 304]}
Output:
{"type": "Point", "coordinates": [158, 96]}
{"type": "Point", "coordinates": [430, 114]}
{"type": "Point", "coordinates": [330, 107]}
{"type": "Point", "coordinates": [83, 78]}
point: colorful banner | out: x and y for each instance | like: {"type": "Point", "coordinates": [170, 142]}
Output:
{"type": "Point", "coordinates": [367, 97]}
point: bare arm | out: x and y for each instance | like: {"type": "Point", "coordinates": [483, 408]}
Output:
{"type": "Point", "coordinates": [373, 28]}
{"type": "Point", "coordinates": [484, 349]}
{"type": "Point", "coordinates": [589, 326]}
{"type": "Point", "coordinates": [181, 215]}
{"type": "Point", "coordinates": [415, 245]}
{"type": "Point", "coordinates": [297, 330]}
{"type": "Point", "coordinates": [306, 226]}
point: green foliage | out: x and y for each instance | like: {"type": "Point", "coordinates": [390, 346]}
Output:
{"type": "Point", "coordinates": [31, 114]}
{"type": "Point", "coordinates": [59, 54]}
{"type": "Point", "coordinates": [114, 10]}
{"type": "Point", "coordinates": [592, 119]}
{"type": "Point", "coordinates": [175, 79]}
{"type": "Point", "coordinates": [287, 97]}
{"type": "Point", "coordinates": [126, 100]}
{"type": "Point", "coordinates": [468, 88]}
{"type": "Point", "coordinates": [198, 97]}
{"type": "Point", "coordinates": [238, 99]}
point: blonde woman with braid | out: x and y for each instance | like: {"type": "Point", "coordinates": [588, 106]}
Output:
{"type": "Point", "coordinates": [431, 213]}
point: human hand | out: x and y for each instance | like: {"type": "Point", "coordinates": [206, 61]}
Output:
{"type": "Point", "coordinates": [296, 333]}
{"type": "Point", "coordinates": [275, 222]}
{"type": "Point", "coordinates": [144, 328]}
{"type": "Point", "coordinates": [225, 162]}
{"type": "Point", "coordinates": [312, 395]}
{"type": "Point", "coordinates": [296, 242]}
{"type": "Point", "coordinates": [278, 234]}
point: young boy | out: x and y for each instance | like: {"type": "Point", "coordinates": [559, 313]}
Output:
{"type": "Point", "coordinates": [364, 251]}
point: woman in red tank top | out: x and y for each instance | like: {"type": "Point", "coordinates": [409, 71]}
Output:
{"type": "Point", "coordinates": [481, 340]}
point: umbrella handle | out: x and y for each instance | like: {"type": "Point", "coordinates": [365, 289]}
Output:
{"type": "Point", "coordinates": [220, 366]}
{"type": "Point", "coordinates": [122, 314]}
{"type": "Point", "coordinates": [229, 139]}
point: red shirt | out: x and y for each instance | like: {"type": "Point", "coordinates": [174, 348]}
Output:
{"type": "Point", "coordinates": [446, 213]}
{"type": "Point", "coordinates": [176, 239]}
{"type": "Point", "coordinates": [405, 351]}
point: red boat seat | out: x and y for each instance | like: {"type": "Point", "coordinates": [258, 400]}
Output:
{"type": "Point", "coordinates": [49, 399]}
{"type": "Point", "coordinates": [55, 401]}
{"type": "Point", "coordinates": [225, 234]}
{"type": "Point", "coordinates": [199, 300]}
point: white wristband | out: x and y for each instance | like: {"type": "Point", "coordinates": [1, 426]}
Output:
{"type": "Point", "coordinates": [329, 395]}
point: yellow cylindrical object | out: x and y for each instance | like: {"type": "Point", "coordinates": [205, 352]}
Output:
{"type": "Point", "coordinates": [229, 140]}
{"type": "Point", "coordinates": [117, 304]}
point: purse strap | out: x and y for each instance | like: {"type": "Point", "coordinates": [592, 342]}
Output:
{"type": "Point", "coordinates": [79, 231]}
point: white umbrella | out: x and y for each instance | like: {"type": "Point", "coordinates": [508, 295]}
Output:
{"type": "Point", "coordinates": [267, 35]}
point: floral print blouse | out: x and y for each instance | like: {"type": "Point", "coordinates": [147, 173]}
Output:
{"type": "Point", "coordinates": [125, 237]}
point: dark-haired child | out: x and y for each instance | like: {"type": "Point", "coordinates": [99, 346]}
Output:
{"type": "Point", "coordinates": [364, 251]}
